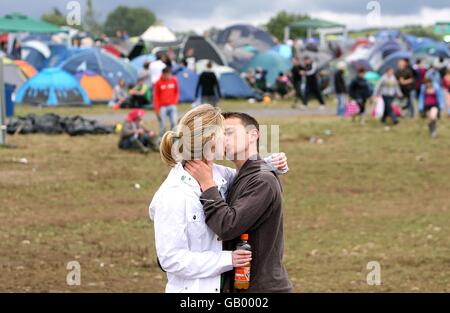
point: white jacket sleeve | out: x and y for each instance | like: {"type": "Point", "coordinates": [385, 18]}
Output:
{"type": "Point", "coordinates": [172, 245]}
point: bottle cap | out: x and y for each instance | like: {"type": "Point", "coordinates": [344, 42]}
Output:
{"type": "Point", "coordinates": [244, 237]}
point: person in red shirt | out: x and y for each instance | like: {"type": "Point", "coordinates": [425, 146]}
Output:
{"type": "Point", "coordinates": [165, 100]}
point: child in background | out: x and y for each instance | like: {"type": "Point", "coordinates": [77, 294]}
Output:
{"type": "Point", "coordinates": [359, 90]}
{"type": "Point", "coordinates": [431, 103]}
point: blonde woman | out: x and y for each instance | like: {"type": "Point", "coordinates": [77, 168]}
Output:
{"type": "Point", "coordinates": [188, 251]}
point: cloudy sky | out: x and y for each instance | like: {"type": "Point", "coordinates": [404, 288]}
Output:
{"type": "Point", "coordinates": [199, 15]}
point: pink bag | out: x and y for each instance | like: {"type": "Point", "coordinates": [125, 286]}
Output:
{"type": "Point", "coordinates": [397, 110]}
{"type": "Point", "coordinates": [351, 108]}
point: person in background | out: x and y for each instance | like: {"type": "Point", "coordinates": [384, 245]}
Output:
{"type": "Point", "coordinates": [359, 90]}
{"type": "Point", "coordinates": [189, 59]}
{"type": "Point", "coordinates": [431, 103]}
{"type": "Point", "coordinates": [209, 86]}
{"type": "Point", "coordinates": [419, 71]}
{"type": "Point", "coordinates": [2, 49]}
{"type": "Point", "coordinates": [282, 85]}
{"type": "Point", "coordinates": [156, 68]}
{"type": "Point", "coordinates": [297, 73]}
{"type": "Point", "coordinates": [165, 100]}
{"type": "Point", "coordinates": [134, 135]}
{"type": "Point", "coordinates": [441, 65]}
{"type": "Point", "coordinates": [340, 88]}
{"type": "Point", "coordinates": [168, 61]}
{"type": "Point", "coordinates": [260, 79]}
{"type": "Point", "coordinates": [120, 94]}
{"type": "Point", "coordinates": [405, 77]}
{"type": "Point", "coordinates": [434, 74]}
{"type": "Point", "coordinates": [16, 53]}
{"type": "Point", "coordinates": [388, 88]}
{"type": "Point", "coordinates": [145, 73]}
{"type": "Point", "coordinates": [312, 84]}
{"type": "Point", "coordinates": [250, 78]}
{"type": "Point", "coordinates": [139, 94]}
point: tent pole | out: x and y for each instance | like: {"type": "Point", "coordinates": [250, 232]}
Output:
{"type": "Point", "coordinates": [2, 106]}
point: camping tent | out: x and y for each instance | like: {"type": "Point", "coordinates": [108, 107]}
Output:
{"type": "Point", "coordinates": [102, 63]}
{"type": "Point", "coordinates": [233, 86]}
{"type": "Point", "coordinates": [240, 43]}
{"type": "Point", "coordinates": [26, 68]}
{"type": "Point", "coordinates": [13, 74]}
{"type": "Point", "coordinates": [158, 33]}
{"type": "Point", "coordinates": [381, 50]}
{"type": "Point", "coordinates": [138, 62]}
{"type": "Point", "coordinates": [187, 82]}
{"type": "Point", "coordinates": [270, 61]}
{"type": "Point", "coordinates": [392, 59]}
{"type": "Point", "coordinates": [388, 34]}
{"type": "Point", "coordinates": [203, 49]}
{"type": "Point", "coordinates": [241, 35]}
{"type": "Point", "coordinates": [36, 53]}
{"type": "Point", "coordinates": [57, 50]}
{"type": "Point", "coordinates": [52, 87]}
{"type": "Point", "coordinates": [59, 57]}
{"type": "Point", "coordinates": [97, 88]}
{"type": "Point", "coordinates": [113, 49]}
{"type": "Point", "coordinates": [284, 50]}
{"type": "Point", "coordinates": [372, 77]}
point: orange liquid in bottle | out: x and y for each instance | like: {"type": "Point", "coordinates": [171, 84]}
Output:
{"type": "Point", "coordinates": [242, 274]}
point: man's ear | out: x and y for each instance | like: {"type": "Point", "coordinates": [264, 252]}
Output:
{"type": "Point", "coordinates": [254, 135]}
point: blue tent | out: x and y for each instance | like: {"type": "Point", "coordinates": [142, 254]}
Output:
{"type": "Point", "coordinates": [233, 86]}
{"type": "Point", "coordinates": [57, 50]}
{"type": "Point", "coordinates": [35, 57]}
{"type": "Point", "coordinates": [244, 31]}
{"type": "Point", "coordinates": [52, 87]}
{"type": "Point", "coordinates": [388, 34]}
{"type": "Point", "coordinates": [102, 63]}
{"type": "Point", "coordinates": [270, 61]}
{"type": "Point", "coordinates": [381, 50]}
{"type": "Point", "coordinates": [284, 50]}
{"type": "Point", "coordinates": [187, 82]}
{"type": "Point", "coordinates": [61, 56]}
{"type": "Point", "coordinates": [391, 60]}
{"type": "Point", "coordinates": [138, 62]}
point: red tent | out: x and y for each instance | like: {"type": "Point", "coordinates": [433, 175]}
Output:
{"type": "Point", "coordinates": [112, 49]}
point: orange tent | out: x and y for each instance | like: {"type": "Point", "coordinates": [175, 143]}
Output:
{"type": "Point", "coordinates": [97, 88]}
{"type": "Point", "coordinates": [26, 68]}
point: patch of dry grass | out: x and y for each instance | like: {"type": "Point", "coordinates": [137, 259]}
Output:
{"type": "Point", "coordinates": [364, 194]}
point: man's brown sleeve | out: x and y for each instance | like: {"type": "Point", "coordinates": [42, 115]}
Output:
{"type": "Point", "coordinates": [250, 209]}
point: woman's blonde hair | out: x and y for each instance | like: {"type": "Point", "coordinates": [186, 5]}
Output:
{"type": "Point", "coordinates": [197, 128]}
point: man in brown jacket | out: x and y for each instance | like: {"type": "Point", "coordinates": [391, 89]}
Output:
{"type": "Point", "coordinates": [253, 205]}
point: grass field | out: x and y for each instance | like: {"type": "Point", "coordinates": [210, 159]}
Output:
{"type": "Point", "coordinates": [365, 194]}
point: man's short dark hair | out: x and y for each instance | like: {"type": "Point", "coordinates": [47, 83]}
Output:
{"type": "Point", "coordinates": [246, 120]}
{"type": "Point", "coordinates": [167, 70]}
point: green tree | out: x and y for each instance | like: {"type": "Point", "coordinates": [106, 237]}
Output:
{"type": "Point", "coordinates": [55, 17]}
{"type": "Point", "coordinates": [91, 23]}
{"type": "Point", "coordinates": [276, 24]}
{"type": "Point", "coordinates": [133, 20]}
